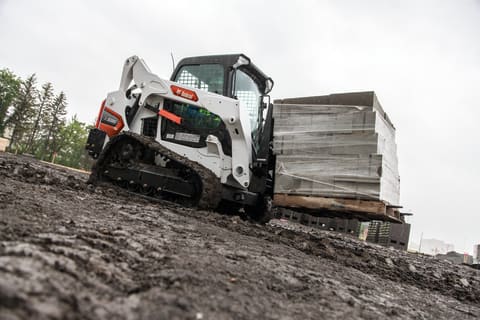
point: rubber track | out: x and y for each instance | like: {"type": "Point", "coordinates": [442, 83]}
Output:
{"type": "Point", "coordinates": [211, 186]}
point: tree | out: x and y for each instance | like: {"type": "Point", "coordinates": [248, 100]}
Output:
{"type": "Point", "coordinates": [54, 120]}
{"type": "Point", "coordinates": [38, 123]}
{"type": "Point", "coordinates": [23, 108]}
{"type": "Point", "coordinates": [9, 88]}
{"type": "Point", "coordinates": [71, 145]}
{"type": "Point", "coordinates": [44, 99]}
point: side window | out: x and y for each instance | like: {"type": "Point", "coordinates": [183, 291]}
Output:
{"type": "Point", "coordinates": [208, 77]}
{"type": "Point", "coordinates": [196, 117]}
{"type": "Point", "coordinates": [247, 92]}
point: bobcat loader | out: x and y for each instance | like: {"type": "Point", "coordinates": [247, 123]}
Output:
{"type": "Point", "coordinates": [202, 138]}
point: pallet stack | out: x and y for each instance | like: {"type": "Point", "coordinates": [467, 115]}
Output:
{"type": "Point", "coordinates": [338, 146]}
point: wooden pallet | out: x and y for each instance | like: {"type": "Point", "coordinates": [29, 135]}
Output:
{"type": "Point", "coordinates": [355, 208]}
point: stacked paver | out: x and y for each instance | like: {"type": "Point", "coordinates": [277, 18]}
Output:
{"type": "Point", "coordinates": [340, 146]}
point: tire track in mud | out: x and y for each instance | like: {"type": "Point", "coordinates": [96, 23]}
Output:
{"type": "Point", "coordinates": [417, 270]}
{"type": "Point", "coordinates": [68, 253]}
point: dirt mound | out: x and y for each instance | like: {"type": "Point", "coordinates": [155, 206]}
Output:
{"type": "Point", "coordinates": [68, 253]}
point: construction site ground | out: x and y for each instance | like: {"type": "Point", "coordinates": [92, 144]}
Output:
{"type": "Point", "coordinates": [69, 253]}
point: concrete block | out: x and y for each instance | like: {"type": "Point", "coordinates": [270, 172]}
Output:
{"type": "Point", "coordinates": [340, 145]}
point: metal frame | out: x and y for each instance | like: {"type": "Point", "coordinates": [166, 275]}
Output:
{"type": "Point", "coordinates": [230, 62]}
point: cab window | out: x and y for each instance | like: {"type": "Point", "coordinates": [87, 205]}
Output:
{"type": "Point", "coordinates": [208, 77]}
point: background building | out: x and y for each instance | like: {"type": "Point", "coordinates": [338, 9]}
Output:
{"type": "Point", "coordinates": [434, 247]}
{"type": "Point", "coordinates": [455, 257]}
{"type": "Point", "coordinates": [4, 143]}
{"type": "Point", "coordinates": [476, 253]}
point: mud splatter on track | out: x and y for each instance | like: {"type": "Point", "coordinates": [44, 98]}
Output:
{"type": "Point", "coordinates": [67, 253]}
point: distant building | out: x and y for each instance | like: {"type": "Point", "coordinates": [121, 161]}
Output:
{"type": "Point", "coordinates": [456, 257]}
{"type": "Point", "coordinates": [476, 253]}
{"type": "Point", "coordinates": [4, 142]}
{"type": "Point", "coordinates": [434, 247]}
{"type": "Point", "coordinates": [5, 139]}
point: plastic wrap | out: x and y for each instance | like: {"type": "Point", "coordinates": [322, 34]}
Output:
{"type": "Point", "coordinates": [335, 151]}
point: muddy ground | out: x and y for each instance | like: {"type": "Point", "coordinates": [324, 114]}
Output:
{"type": "Point", "coordinates": [67, 253]}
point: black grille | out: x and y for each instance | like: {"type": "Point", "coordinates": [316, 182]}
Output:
{"type": "Point", "coordinates": [207, 77]}
{"type": "Point", "coordinates": [149, 127]}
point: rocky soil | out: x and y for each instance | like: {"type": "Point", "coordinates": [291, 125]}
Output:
{"type": "Point", "coordinates": [68, 253]}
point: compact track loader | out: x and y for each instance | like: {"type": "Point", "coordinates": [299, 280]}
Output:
{"type": "Point", "coordinates": [202, 138]}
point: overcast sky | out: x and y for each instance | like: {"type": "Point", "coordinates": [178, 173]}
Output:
{"type": "Point", "coordinates": [422, 58]}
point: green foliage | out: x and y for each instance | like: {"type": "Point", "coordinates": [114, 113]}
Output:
{"type": "Point", "coordinates": [23, 110]}
{"type": "Point", "coordinates": [71, 145]}
{"type": "Point", "coordinates": [9, 87]}
{"type": "Point", "coordinates": [53, 121]}
{"type": "Point", "coordinates": [37, 122]}
{"type": "Point", "coordinates": [44, 101]}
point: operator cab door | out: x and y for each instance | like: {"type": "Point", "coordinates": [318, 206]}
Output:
{"type": "Point", "coordinates": [246, 91]}
{"type": "Point", "coordinates": [219, 75]}
{"type": "Point", "coordinates": [197, 123]}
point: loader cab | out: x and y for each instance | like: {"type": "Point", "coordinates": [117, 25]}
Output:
{"type": "Point", "coordinates": [233, 76]}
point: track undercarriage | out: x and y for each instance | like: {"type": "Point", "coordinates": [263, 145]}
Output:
{"type": "Point", "coordinates": [141, 165]}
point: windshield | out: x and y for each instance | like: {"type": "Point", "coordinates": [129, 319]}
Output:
{"type": "Point", "coordinates": [208, 77]}
{"type": "Point", "coordinates": [247, 92]}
